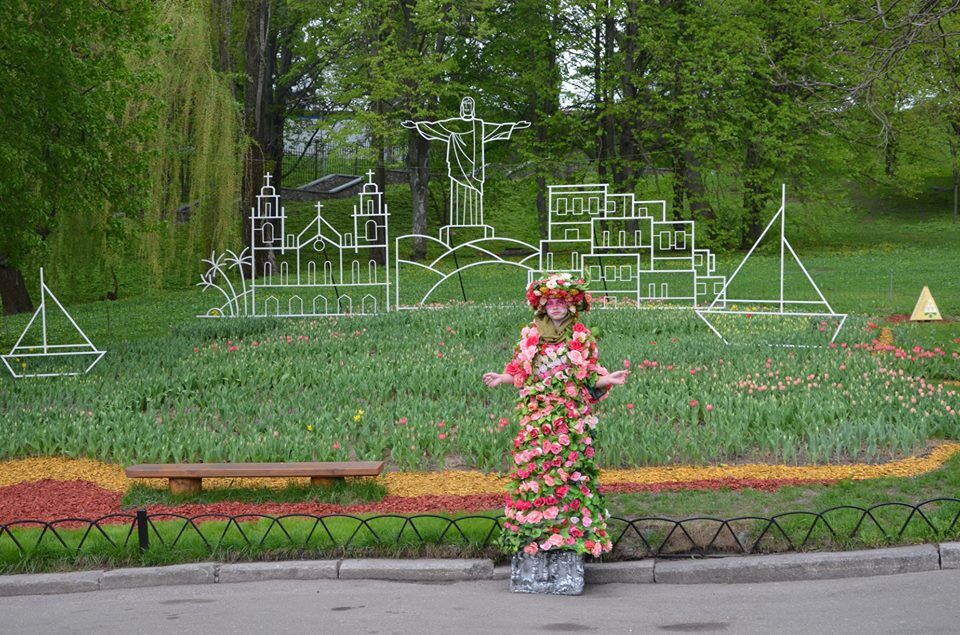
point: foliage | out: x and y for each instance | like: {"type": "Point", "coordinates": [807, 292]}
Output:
{"type": "Point", "coordinates": [72, 151]}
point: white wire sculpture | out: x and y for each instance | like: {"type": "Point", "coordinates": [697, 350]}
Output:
{"type": "Point", "coordinates": [466, 138]}
{"type": "Point", "coordinates": [740, 309]}
{"type": "Point", "coordinates": [466, 233]}
{"type": "Point", "coordinates": [657, 263]}
{"type": "Point", "coordinates": [321, 271]}
{"type": "Point", "coordinates": [628, 249]}
{"type": "Point", "coordinates": [30, 360]}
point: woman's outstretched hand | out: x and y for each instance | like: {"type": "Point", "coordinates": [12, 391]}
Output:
{"type": "Point", "coordinates": [617, 378]}
{"type": "Point", "coordinates": [492, 380]}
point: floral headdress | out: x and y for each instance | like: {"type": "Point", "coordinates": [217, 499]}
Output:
{"type": "Point", "coordinates": [559, 285]}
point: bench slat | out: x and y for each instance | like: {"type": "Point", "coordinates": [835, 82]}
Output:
{"type": "Point", "coordinates": [240, 470]}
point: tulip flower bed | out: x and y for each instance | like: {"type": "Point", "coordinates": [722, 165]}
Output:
{"type": "Point", "coordinates": [406, 388]}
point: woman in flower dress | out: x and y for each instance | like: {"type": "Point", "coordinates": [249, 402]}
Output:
{"type": "Point", "coordinates": [553, 502]}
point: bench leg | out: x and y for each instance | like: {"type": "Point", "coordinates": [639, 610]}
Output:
{"type": "Point", "coordinates": [322, 481]}
{"type": "Point", "coordinates": [185, 485]}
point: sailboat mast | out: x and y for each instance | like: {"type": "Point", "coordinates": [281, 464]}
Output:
{"type": "Point", "coordinates": [43, 310]}
{"type": "Point", "coordinates": [783, 214]}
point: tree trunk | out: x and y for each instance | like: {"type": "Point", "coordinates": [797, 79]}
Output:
{"type": "Point", "coordinates": [223, 26]}
{"type": "Point", "coordinates": [13, 291]}
{"type": "Point", "coordinates": [754, 196]}
{"type": "Point", "coordinates": [700, 207]}
{"type": "Point", "coordinates": [256, 90]}
{"type": "Point", "coordinates": [954, 147]}
{"type": "Point", "coordinates": [890, 154]}
{"type": "Point", "coordinates": [679, 182]}
{"type": "Point", "coordinates": [417, 154]}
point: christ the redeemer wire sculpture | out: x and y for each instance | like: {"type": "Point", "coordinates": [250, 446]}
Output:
{"type": "Point", "coordinates": [466, 137]}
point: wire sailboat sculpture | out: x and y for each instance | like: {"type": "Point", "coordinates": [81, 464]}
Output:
{"type": "Point", "coordinates": [723, 312]}
{"type": "Point", "coordinates": [26, 360]}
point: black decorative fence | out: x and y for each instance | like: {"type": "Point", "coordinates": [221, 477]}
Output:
{"type": "Point", "coordinates": [209, 534]}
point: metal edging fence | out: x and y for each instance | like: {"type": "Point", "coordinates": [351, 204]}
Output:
{"type": "Point", "coordinates": [641, 537]}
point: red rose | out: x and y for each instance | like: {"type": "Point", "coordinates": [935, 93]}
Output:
{"type": "Point", "coordinates": [579, 328]}
{"type": "Point", "coordinates": [576, 345]}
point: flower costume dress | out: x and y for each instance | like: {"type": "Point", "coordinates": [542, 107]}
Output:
{"type": "Point", "coordinates": [553, 501]}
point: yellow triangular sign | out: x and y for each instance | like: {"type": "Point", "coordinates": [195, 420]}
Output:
{"type": "Point", "coordinates": [926, 308]}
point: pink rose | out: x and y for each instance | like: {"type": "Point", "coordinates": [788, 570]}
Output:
{"type": "Point", "coordinates": [579, 328]}
{"type": "Point", "coordinates": [564, 440]}
{"type": "Point", "coordinates": [532, 548]}
{"type": "Point", "coordinates": [550, 513]}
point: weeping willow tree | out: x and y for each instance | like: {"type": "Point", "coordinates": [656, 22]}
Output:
{"type": "Point", "coordinates": [195, 175]}
{"type": "Point", "coordinates": [170, 193]}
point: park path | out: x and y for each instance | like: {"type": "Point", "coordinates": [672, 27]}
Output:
{"type": "Point", "coordinates": [905, 603]}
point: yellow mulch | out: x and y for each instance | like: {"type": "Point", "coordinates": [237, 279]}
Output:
{"type": "Point", "coordinates": [468, 482]}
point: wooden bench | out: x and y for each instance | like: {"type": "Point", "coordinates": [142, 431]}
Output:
{"type": "Point", "coordinates": [188, 477]}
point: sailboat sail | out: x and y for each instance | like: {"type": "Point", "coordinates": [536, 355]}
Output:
{"type": "Point", "coordinates": [798, 302]}
{"type": "Point", "coordinates": [38, 353]}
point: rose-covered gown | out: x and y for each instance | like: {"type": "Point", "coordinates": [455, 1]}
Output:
{"type": "Point", "coordinates": [553, 501]}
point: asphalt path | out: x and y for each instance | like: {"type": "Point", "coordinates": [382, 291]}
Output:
{"type": "Point", "coordinates": [906, 603]}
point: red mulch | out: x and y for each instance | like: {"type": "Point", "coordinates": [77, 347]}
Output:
{"type": "Point", "coordinates": [48, 500]}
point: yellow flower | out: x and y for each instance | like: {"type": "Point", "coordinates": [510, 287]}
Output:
{"type": "Point", "coordinates": [309, 428]}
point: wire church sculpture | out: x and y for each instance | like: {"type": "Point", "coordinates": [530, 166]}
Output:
{"type": "Point", "coordinates": [781, 307]}
{"type": "Point", "coordinates": [50, 359]}
{"type": "Point", "coordinates": [317, 271]}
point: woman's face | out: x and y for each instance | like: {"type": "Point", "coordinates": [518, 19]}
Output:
{"type": "Point", "coordinates": [556, 308]}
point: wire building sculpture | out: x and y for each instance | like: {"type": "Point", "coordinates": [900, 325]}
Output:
{"type": "Point", "coordinates": [628, 249]}
{"type": "Point", "coordinates": [798, 321]}
{"type": "Point", "coordinates": [53, 356]}
{"type": "Point", "coordinates": [316, 271]}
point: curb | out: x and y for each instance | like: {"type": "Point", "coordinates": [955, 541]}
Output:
{"type": "Point", "coordinates": [722, 570]}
